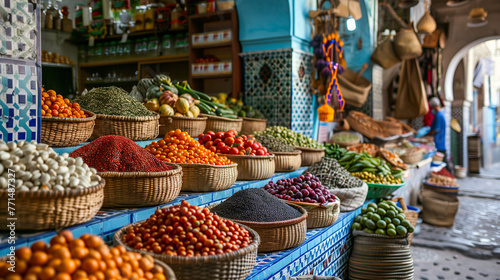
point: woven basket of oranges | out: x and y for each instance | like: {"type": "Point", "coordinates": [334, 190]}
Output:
{"type": "Point", "coordinates": [64, 124]}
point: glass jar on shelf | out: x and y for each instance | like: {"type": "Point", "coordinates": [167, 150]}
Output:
{"type": "Point", "coordinates": [179, 45]}
{"type": "Point", "coordinates": [98, 52]}
{"type": "Point", "coordinates": [105, 50]}
{"type": "Point", "coordinates": [166, 45]}
{"type": "Point", "coordinates": [127, 49]}
{"type": "Point", "coordinates": [112, 50]}
{"type": "Point", "coordinates": [153, 46]}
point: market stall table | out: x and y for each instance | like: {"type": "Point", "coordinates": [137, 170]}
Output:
{"type": "Point", "coordinates": [416, 173]}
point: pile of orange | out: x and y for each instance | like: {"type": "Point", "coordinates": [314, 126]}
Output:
{"type": "Point", "coordinates": [179, 147]}
{"type": "Point", "coordinates": [54, 105]}
{"type": "Point", "coordinates": [84, 258]}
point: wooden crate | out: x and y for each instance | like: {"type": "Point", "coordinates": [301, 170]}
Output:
{"type": "Point", "coordinates": [474, 164]}
{"type": "Point", "coordinates": [474, 144]}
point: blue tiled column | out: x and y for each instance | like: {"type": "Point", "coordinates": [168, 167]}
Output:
{"type": "Point", "coordinates": [20, 72]}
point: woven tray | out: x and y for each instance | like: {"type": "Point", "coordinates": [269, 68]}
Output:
{"type": "Point", "coordinates": [310, 156]}
{"type": "Point", "coordinates": [236, 265]}
{"type": "Point", "coordinates": [287, 161]}
{"type": "Point", "coordinates": [253, 167]}
{"type": "Point", "coordinates": [391, 127]}
{"type": "Point", "coordinates": [410, 215]}
{"type": "Point", "coordinates": [250, 125]}
{"type": "Point", "coordinates": [134, 128]}
{"type": "Point", "coordinates": [207, 178]}
{"type": "Point", "coordinates": [392, 158]}
{"type": "Point", "coordinates": [380, 191]}
{"type": "Point", "coordinates": [139, 189]}
{"type": "Point", "coordinates": [66, 132]}
{"type": "Point", "coordinates": [413, 156]}
{"type": "Point", "coordinates": [193, 126]}
{"type": "Point", "coordinates": [405, 126]}
{"type": "Point", "coordinates": [49, 210]}
{"type": "Point", "coordinates": [217, 124]}
{"type": "Point", "coordinates": [320, 215]}
{"type": "Point", "coordinates": [366, 125]}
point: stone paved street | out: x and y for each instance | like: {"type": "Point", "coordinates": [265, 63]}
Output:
{"type": "Point", "coordinates": [471, 248]}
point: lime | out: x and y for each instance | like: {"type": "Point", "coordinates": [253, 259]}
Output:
{"type": "Point", "coordinates": [381, 224]}
{"type": "Point", "coordinates": [371, 224]}
{"type": "Point", "coordinates": [364, 220]}
{"type": "Point", "coordinates": [367, 230]}
{"type": "Point", "coordinates": [364, 210]}
{"type": "Point", "coordinates": [388, 220]}
{"type": "Point", "coordinates": [391, 214]}
{"type": "Point", "coordinates": [406, 223]}
{"type": "Point", "coordinates": [411, 229]}
{"type": "Point", "coordinates": [401, 216]}
{"type": "Point", "coordinates": [391, 232]}
{"type": "Point", "coordinates": [381, 212]}
{"type": "Point", "coordinates": [358, 218]}
{"type": "Point", "coordinates": [371, 209]}
{"type": "Point", "coordinates": [356, 226]}
{"type": "Point", "coordinates": [396, 221]}
{"type": "Point", "coordinates": [380, 231]}
{"type": "Point", "coordinates": [399, 210]}
{"type": "Point", "coordinates": [373, 205]}
{"type": "Point", "coordinates": [384, 206]}
{"type": "Point", "coordinates": [391, 226]}
{"type": "Point", "coordinates": [375, 217]}
{"type": "Point", "coordinates": [369, 215]}
{"type": "Point", "coordinates": [401, 230]}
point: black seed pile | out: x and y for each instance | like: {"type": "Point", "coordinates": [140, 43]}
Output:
{"type": "Point", "coordinates": [255, 205]}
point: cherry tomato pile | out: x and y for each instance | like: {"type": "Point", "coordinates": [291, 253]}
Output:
{"type": "Point", "coordinates": [230, 143]}
{"type": "Point", "coordinates": [54, 105]}
{"type": "Point", "coordinates": [179, 147]}
{"type": "Point", "coordinates": [185, 230]}
{"type": "Point", "coordinates": [84, 258]}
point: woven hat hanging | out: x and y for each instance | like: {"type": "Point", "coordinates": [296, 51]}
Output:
{"type": "Point", "coordinates": [477, 17]}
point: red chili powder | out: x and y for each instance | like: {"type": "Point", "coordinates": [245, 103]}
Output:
{"type": "Point", "coordinates": [119, 154]}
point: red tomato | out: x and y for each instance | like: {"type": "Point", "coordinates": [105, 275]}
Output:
{"type": "Point", "coordinates": [242, 152]}
{"type": "Point", "coordinates": [233, 132]}
{"type": "Point", "coordinates": [241, 147]}
{"type": "Point", "coordinates": [252, 154]}
{"type": "Point", "coordinates": [219, 135]}
{"type": "Point", "coordinates": [233, 151]}
{"type": "Point", "coordinates": [211, 133]}
{"type": "Point", "coordinates": [213, 149]}
{"type": "Point", "coordinates": [227, 134]}
{"type": "Point", "coordinates": [244, 137]}
{"type": "Point", "coordinates": [229, 141]}
{"type": "Point", "coordinates": [217, 141]}
{"type": "Point", "coordinates": [239, 141]}
{"type": "Point", "coordinates": [200, 137]}
{"type": "Point", "coordinates": [225, 150]}
{"type": "Point", "coordinates": [207, 138]}
{"type": "Point", "coordinates": [209, 144]}
{"type": "Point", "coordinates": [220, 145]}
{"type": "Point", "coordinates": [265, 150]}
{"type": "Point", "coordinates": [248, 143]}
{"type": "Point", "coordinates": [256, 146]}
{"type": "Point", "coordinates": [260, 152]}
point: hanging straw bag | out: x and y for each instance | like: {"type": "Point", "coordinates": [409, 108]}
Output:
{"type": "Point", "coordinates": [411, 101]}
{"type": "Point", "coordinates": [407, 44]}
{"type": "Point", "coordinates": [427, 24]}
{"type": "Point", "coordinates": [385, 54]}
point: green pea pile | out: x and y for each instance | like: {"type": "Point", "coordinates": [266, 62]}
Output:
{"type": "Point", "coordinates": [290, 137]}
{"type": "Point", "coordinates": [274, 144]}
{"type": "Point", "coordinates": [384, 218]}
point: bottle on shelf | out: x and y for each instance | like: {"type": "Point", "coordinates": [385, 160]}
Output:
{"type": "Point", "coordinates": [153, 46]}
{"type": "Point", "coordinates": [179, 45]}
{"type": "Point", "coordinates": [166, 45]}
{"type": "Point", "coordinates": [112, 50]}
{"type": "Point", "coordinates": [105, 51]}
{"type": "Point", "coordinates": [138, 47]}
{"type": "Point", "coordinates": [127, 49]}
{"type": "Point", "coordinates": [98, 52]}
{"type": "Point", "coordinates": [119, 49]}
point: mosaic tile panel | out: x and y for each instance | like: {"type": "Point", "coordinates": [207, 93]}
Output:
{"type": "Point", "coordinates": [18, 36]}
{"type": "Point", "coordinates": [277, 83]}
{"type": "Point", "coordinates": [19, 101]}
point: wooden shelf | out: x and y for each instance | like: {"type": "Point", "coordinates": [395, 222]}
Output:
{"type": "Point", "coordinates": [212, 75]}
{"type": "Point", "coordinates": [58, 65]}
{"type": "Point", "coordinates": [213, 45]}
{"type": "Point", "coordinates": [133, 35]}
{"type": "Point", "coordinates": [212, 16]}
{"type": "Point", "coordinates": [142, 60]}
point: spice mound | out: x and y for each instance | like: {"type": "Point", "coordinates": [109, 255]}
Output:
{"type": "Point", "coordinates": [189, 231]}
{"type": "Point", "coordinates": [333, 175]}
{"type": "Point", "coordinates": [256, 205]}
{"type": "Point", "coordinates": [179, 147]}
{"type": "Point", "coordinates": [119, 154]}
{"type": "Point", "coordinates": [113, 101]}
{"type": "Point", "coordinates": [275, 144]}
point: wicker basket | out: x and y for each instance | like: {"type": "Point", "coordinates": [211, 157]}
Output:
{"type": "Point", "coordinates": [167, 270]}
{"type": "Point", "coordinates": [287, 161]}
{"type": "Point", "coordinates": [346, 144]}
{"type": "Point", "coordinates": [413, 156]}
{"type": "Point", "coordinates": [439, 209]}
{"type": "Point", "coordinates": [278, 236]}
{"type": "Point", "coordinates": [253, 167]}
{"type": "Point", "coordinates": [310, 156]}
{"type": "Point", "coordinates": [134, 128]}
{"type": "Point", "coordinates": [392, 128]}
{"type": "Point", "coordinates": [236, 265]}
{"type": "Point", "coordinates": [139, 189]}
{"type": "Point", "coordinates": [366, 125]}
{"type": "Point", "coordinates": [207, 178]}
{"type": "Point", "coordinates": [250, 125]}
{"type": "Point", "coordinates": [48, 210]}
{"type": "Point", "coordinates": [66, 132]}
{"type": "Point", "coordinates": [410, 215]}
{"type": "Point", "coordinates": [217, 124]}
{"type": "Point", "coordinates": [193, 126]}
{"type": "Point", "coordinates": [320, 215]}
{"type": "Point", "coordinates": [405, 126]}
